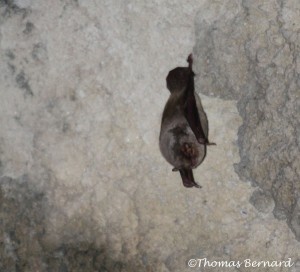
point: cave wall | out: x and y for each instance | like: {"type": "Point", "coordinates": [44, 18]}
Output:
{"type": "Point", "coordinates": [82, 87]}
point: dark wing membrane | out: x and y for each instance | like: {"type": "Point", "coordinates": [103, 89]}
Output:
{"type": "Point", "coordinates": [191, 112]}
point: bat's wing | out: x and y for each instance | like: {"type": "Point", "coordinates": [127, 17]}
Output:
{"type": "Point", "coordinates": [191, 112]}
{"type": "Point", "coordinates": [188, 178]}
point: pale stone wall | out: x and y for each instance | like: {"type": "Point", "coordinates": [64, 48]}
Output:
{"type": "Point", "coordinates": [82, 88]}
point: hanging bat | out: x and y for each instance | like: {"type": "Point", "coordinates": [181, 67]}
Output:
{"type": "Point", "coordinates": [184, 128]}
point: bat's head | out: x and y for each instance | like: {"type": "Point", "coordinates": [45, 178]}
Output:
{"type": "Point", "coordinates": [178, 78]}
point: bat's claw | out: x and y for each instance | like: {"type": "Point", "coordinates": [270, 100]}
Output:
{"type": "Point", "coordinates": [190, 184]}
{"type": "Point", "coordinates": [197, 185]}
{"type": "Point", "coordinates": [205, 142]}
{"type": "Point", "coordinates": [211, 144]}
{"type": "Point", "coordinates": [190, 60]}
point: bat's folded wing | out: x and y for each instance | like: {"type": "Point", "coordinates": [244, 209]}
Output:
{"type": "Point", "coordinates": [192, 116]}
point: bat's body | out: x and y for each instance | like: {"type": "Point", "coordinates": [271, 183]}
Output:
{"type": "Point", "coordinates": [184, 129]}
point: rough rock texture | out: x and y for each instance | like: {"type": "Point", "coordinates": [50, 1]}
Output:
{"type": "Point", "coordinates": [250, 51]}
{"type": "Point", "coordinates": [82, 87]}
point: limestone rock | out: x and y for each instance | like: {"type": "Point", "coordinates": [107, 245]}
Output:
{"type": "Point", "coordinates": [82, 87]}
{"type": "Point", "coordinates": [250, 52]}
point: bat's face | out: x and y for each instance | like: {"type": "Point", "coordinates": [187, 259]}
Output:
{"type": "Point", "coordinates": [177, 79]}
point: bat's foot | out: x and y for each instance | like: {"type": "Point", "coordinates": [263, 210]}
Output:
{"type": "Point", "coordinates": [205, 142]}
{"type": "Point", "coordinates": [188, 178]}
{"type": "Point", "coordinates": [190, 60]}
{"type": "Point", "coordinates": [191, 184]}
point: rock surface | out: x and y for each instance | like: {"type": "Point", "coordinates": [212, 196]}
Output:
{"type": "Point", "coordinates": [82, 87]}
{"type": "Point", "coordinates": [251, 52]}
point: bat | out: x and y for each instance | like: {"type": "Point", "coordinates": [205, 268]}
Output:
{"type": "Point", "coordinates": [184, 127]}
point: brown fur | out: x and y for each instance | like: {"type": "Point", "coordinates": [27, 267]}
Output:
{"type": "Point", "coordinates": [177, 141]}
